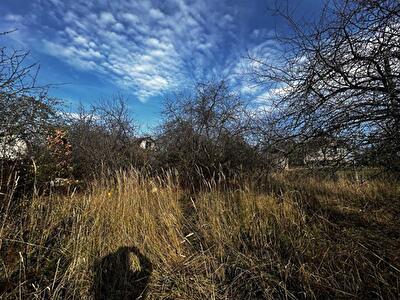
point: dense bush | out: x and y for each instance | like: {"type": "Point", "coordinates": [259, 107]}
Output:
{"type": "Point", "coordinates": [205, 134]}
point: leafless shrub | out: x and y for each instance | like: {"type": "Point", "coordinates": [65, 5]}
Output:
{"type": "Point", "coordinates": [103, 138]}
{"type": "Point", "coordinates": [340, 77]}
{"type": "Point", "coordinates": [205, 134]}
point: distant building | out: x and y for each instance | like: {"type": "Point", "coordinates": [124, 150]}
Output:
{"type": "Point", "coordinates": [281, 163]}
{"type": "Point", "coordinates": [331, 153]}
{"type": "Point", "coordinates": [278, 158]}
{"type": "Point", "coordinates": [13, 148]}
{"type": "Point", "coordinates": [146, 143]}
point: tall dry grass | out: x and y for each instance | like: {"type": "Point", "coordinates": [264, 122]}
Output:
{"type": "Point", "coordinates": [299, 238]}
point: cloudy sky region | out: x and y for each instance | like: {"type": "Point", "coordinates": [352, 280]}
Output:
{"type": "Point", "coordinates": [143, 49]}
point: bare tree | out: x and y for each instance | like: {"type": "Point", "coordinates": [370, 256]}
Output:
{"type": "Point", "coordinates": [340, 77]}
{"type": "Point", "coordinates": [102, 137]}
{"type": "Point", "coordinates": [26, 111]}
{"type": "Point", "coordinates": [205, 133]}
{"type": "Point", "coordinates": [211, 111]}
{"type": "Point", "coordinates": [16, 75]}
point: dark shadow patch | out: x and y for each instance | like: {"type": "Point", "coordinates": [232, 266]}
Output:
{"type": "Point", "coordinates": [42, 267]}
{"type": "Point", "coordinates": [123, 274]}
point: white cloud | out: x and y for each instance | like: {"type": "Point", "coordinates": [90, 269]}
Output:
{"type": "Point", "coordinates": [118, 27]}
{"type": "Point", "coordinates": [106, 18]}
{"type": "Point", "coordinates": [13, 18]}
{"type": "Point", "coordinates": [156, 13]}
{"type": "Point", "coordinates": [249, 89]}
{"type": "Point", "coordinates": [130, 18]}
{"type": "Point", "coordinates": [147, 48]}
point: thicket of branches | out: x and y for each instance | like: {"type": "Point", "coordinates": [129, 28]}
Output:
{"type": "Point", "coordinates": [205, 134]}
{"type": "Point", "coordinates": [340, 78]}
{"type": "Point", "coordinates": [103, 138]}
{"type": "Point", "coordinates": [337, 82]}
{"type": "Point", "coordinates": [25, 109]}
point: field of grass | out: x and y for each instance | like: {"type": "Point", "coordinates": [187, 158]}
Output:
{"type": "Point", "coordinates": [289, 237]}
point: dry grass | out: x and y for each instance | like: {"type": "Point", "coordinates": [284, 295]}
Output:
{"type": "Point", "coordinates": [301, 238]}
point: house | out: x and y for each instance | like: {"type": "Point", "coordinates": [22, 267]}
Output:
{"type": "Point", "coordinates": [13, 148]}
{"type": "Point", "coordinates": [146, 143]}
{"type": "Point", "coordinates": [328, 154]}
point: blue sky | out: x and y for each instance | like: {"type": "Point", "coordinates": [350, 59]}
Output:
{"type": "Point", "coordinates": [145, 50]}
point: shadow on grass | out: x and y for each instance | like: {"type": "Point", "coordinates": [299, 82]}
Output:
{"type": "Point", "coordinates": [123, 274]}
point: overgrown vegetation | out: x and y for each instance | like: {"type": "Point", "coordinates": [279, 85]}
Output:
{"type": "Point", "coordinates": [213, 211]}
{"type": "Point", "coordinates": [296, 238]}
{"type": "Point", "coordinates": [338, 77]}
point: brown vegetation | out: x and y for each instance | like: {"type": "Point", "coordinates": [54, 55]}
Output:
{"type": "Point", "coordinates": [296, 238]}
{"type": "Point", "coordinates": [226, 224]}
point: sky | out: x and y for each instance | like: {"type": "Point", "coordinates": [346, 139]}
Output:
{"type": "Point", "coordinates": [145, 50]}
